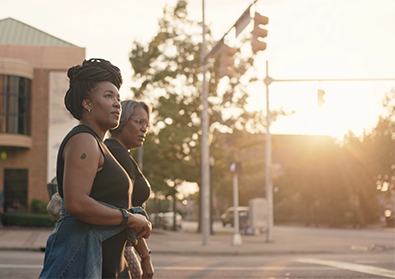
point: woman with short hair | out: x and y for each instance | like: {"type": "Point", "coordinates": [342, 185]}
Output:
{"type": "Point", "coordinates": [130, 134]}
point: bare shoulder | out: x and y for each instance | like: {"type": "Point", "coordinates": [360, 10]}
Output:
{"type": "Point", "coordinates": [82, 146]}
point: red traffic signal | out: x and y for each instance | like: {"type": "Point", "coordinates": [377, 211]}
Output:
{"type": "Point", "coordinates": [320, 98]}
{"type": "Point", "coordinates": [259, 32]}
{"type": "Point", "coordinates": [227, 61]}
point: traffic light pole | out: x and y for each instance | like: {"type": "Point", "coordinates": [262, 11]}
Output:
{"type": "Point", "coordinates": [333, 79]}
{"type": "Point", "coordinates": [205, 172]}
{"type": "Point", "coordinates": [269, 181]}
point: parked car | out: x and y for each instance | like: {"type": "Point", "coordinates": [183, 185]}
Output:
{"type": "Point", "coordinates": [167, 220]}
{"type": "Point", "coordinates": [227, 217]}
{"type": "Point", "coordinates": [155, 219]}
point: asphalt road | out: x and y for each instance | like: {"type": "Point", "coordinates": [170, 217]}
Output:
{"type": "Point", "coordinates": [361, 254]}
{"type": "Point", "coordinates": [27, 265]}
{"type": "Point", "coordinates": [294, 266]}
{"type": "Point", "coordinates": [16, 264]}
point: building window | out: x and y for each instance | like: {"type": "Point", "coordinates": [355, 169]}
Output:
{"type": "Point", "coordinates": [15, 95]}
{"type": "Point", "coordinates": [15, 190]}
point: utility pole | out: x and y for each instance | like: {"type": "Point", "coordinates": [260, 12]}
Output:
{"type": "Point", "coordinates": [227, 54]}
{"type": "Point", "coordinates": [205, 187]}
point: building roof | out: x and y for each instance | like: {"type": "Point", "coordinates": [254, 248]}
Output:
{"type": "Point", "coordinates": [15, 32]}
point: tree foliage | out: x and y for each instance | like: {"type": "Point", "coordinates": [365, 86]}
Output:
{"type": "Point", "coordinates": [168, 73]}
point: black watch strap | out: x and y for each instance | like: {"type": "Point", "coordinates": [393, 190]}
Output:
{"type": "Point", "coordinates": [125, 217]}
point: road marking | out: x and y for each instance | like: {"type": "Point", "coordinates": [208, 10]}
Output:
{"type": "Point", "coordinates": [21, 266]}
{"type": "Point", "coordinates": [351, 266]}
{"type": "Point", "coordinates": [366, 261]}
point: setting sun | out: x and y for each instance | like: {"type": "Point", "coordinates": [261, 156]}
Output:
{"type": "Point", "coordinates": [349, 106]}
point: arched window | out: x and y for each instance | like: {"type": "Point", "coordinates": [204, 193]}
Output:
{"type": "Point", "coordinates": [15, 95]}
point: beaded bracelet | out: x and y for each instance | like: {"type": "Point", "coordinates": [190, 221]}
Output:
{"type": "Point", "coordinates": [146, 254]}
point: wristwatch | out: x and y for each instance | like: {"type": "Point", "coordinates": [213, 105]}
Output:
{"type": "Point", "coordinates": [125, 216]}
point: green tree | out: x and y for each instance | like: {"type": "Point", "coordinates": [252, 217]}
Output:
{"type": "Point", "coordinates": [379, 148]}
{"type": "Point", "coordinates": [357, 173]}
{"type": "Point", "coordinates": [168, 73]}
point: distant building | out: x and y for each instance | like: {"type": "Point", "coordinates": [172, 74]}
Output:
{"type": "Point", "coordinates": [33, 81]}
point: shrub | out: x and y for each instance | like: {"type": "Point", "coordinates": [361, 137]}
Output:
{"type": "Point", "coordinates": [38, 206]}
{"type": "Point", "coordinates": [27, 220]}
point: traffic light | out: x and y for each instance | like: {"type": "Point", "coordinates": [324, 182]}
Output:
{"type": "Point", "coordinates": [320, 98]}
{"type": "Point", "coordinates": [259, 32]}
{"type": "Point", "coordinates": [227, 61]}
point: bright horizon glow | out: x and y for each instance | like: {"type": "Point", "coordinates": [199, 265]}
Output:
{"type": "Point", "coordinates": [307, 39]}
{"type": "Point", "coordinates": [349, 106]}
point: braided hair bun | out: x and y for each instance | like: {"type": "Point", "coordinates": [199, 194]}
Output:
{"type": "Point", "coordinates": [84, 78]}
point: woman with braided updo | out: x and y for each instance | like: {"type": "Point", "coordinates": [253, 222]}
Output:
{"type": "Point", "coordinates": [90, 236]}
{"type": "Point", "coordinates": [130, 134]}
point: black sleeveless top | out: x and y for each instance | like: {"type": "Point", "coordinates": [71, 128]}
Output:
{"type": "Point", "coordinates": [111, 185]}
{"type": "Point", "coordinates": [141, 187]}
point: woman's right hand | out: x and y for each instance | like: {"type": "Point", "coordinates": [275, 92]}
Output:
{"type": "Point", "coordinates": [142, 226]}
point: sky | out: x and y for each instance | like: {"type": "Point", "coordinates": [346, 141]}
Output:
{"type": "Point", "coordinates": [307, 39]}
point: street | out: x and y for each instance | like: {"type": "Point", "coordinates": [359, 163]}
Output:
{"type": "Point", "coordinates": [27, 265]}
{"type": "Point", "coordinates": [295, 266]}
{"type": "Point", "coordinates": [16, 264]}
{"type": "Point", "coordinates": [327, 253]}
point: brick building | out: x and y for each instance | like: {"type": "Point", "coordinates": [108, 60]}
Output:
{"type": "Point", "coordinates": [33, 81]}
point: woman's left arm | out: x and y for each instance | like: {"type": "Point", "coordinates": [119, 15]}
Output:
{"type": "Point", "coordinates": [146, 263]}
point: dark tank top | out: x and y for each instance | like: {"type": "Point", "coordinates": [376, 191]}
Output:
{"type": "Point", "coordinates": [141, 187]}
{"type": "Point", "coordinates": [113, 186]}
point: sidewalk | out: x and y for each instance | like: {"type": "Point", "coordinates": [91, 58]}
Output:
{"type": "Point", "coordinates": [286, 240]}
